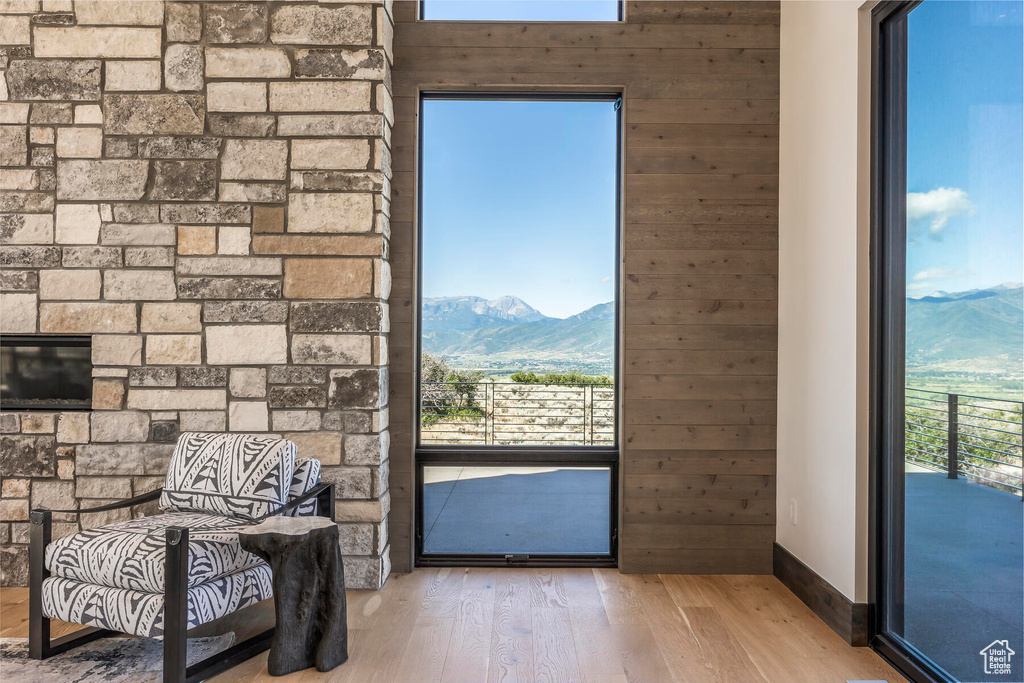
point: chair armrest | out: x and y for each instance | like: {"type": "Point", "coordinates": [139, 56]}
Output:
{"type": "Point", "coordinates": [296, 502]}
{"type": "Point", "coordinates": [127, 502]}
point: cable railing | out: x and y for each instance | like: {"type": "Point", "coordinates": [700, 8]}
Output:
{"type": "Point", "coordinates": [515, 414]}
{"type": "Point", "coordinates": [975, 437]}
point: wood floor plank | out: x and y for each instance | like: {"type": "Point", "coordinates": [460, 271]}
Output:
{"type": "Point", "coordinates": [246, 671]}
{"type": "Point", "coordinates": [621, 604]}
{"type": "Point", "coordinates": [512, 635]}
{"type": "Point", "coordinates": [13, 623]}
{"type": "Point", "coordinates": [641, 657]}
{"type": "Point", "coordinates": [547, 589]}
{"type": "Point", "coordinates": [554, 653]}
{"type": "Point", "coordinates": [728, 659]}
{"type": "Point", "coordinates": [18, 597]}
{"type": "Point", "coordinates": [364, 608]}
{"type": "Point", "coordinates": [470, 648]}
{"type": "Point", "coordinates": [685, 590]}
{"type": "Point", "coordinates": [789, 619]}
{"type": "Point", "coordinates": [781, 636]}
{"type": "Point", "coordinates": [591, 630]}
{"type": "Point", "coordinates": [442, 597]}
{"type": "Point", "coordinates": [679, 645]}
{"type": "Point", "coordinates": [343, 674]}
{"type": "Point", "coordinates": [565, 625]}
{"type": "Point", "coordinates": [752, 630]}
{"type": "Point", "coordinates": [424, 658]}
{"type": "Point", "coordinates": [603, 678]}
{"type": "Point", "coordinates": [831, 669]}
{"type": "Point", "coordinates": [761, 597]}
{"type": "Point", "coordinates": [380, 650]}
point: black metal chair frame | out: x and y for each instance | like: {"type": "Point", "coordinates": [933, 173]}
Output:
{"type": "Point", "coordinates": [40, 646]}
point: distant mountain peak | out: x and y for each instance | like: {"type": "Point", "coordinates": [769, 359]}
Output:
{"type": "Point", "coordinates": [471, 327]}
{"type": "Point", "coordinates": [474, 312]}
{"type": "Point", "coordinates": [507, 307]}
{"type": "Point", "coordinates": [475, 332]}
{"type": "Point", "coordinates": [598, 312]}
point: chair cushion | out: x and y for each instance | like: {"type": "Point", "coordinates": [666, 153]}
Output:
{"type": "Point", "coordinates": [131, 554]}
{"type": "Point", "coordinates": [307, 475]}
{"type": "Point", "coordinates": [229, 474]}
{"type": "Point", "coordinates": [142, 614]}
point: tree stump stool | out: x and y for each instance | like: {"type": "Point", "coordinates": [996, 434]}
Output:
{"type": "Point", "coordinates": [309, 591]}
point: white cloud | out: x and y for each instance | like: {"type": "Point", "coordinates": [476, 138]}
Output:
{"type": "Point", "coordinates": [940, 273]}
{"type": "Point", "coordinates": [930, 280]}
{"type": "Point", "coordinates": [605, 279]}
{"type": "Point", "coordinates": [937, 207]}
{"type": "Point", "coordinates": [916, 289]}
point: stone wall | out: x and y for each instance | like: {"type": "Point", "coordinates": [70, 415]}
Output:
{"type": "Point", "coordinates": [204, 188]}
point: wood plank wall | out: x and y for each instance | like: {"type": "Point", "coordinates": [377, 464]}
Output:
{"type": "Point", "coordinates": [700, 236]}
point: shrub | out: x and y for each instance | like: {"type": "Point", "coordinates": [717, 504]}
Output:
{"type": "Point", "coordinates": [446, 392]}
{"type": "Point", "coordinates": [574, 377]}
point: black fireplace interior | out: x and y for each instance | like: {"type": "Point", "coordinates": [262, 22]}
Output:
{"type": "Point", "coordinates": [45, 373]}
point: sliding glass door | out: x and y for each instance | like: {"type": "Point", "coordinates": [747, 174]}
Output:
{"type": "Point", "coordinates": [949, 265]}
{"type": "Point", "coordinates": [517, 445]}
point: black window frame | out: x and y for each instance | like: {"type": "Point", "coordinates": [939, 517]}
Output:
{"type": "Point", "coordinates": [511, 456]}
{"type": "Point", "coordinates": [49, 340]}
{"type": "Point", "coordinates": [421, 15]}
{"type": "Point", "coordinates": [888, 344]}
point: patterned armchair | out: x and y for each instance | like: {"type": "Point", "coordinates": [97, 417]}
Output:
{"type": "Point", "coordinates": [159, 576]}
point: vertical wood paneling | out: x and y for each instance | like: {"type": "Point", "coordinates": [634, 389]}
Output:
{"type": "Point", "coordinates": [700, 240]}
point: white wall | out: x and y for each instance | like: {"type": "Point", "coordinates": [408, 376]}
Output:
{"type": "Point", "coordinates": [822, 464]}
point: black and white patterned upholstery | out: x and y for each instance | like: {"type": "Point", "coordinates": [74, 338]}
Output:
{"type": "Point", "coordinates": [141, 613]}
{"type": "Point", "coordinates": [114, 576]}
{"type": "Point", "coordinates": [307, 475]}
{"type": "Point", "coordinates": [131, 554]}
{"type": "Point", "coordinates": [237, 475]}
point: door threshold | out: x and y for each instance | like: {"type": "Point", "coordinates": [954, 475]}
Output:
{"type": "Point", "coordinates": [518, 560]}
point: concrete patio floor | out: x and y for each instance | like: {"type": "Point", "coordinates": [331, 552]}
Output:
{"type": "Point", "coordinates": [489, 510]}
{"type": "Point", "coordinates": [964, 572]}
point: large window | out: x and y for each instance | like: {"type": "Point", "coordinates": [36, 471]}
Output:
{"type": "Point", "coordinates": [517, 436]}
{"type": "Point", "coordinates": [949, 245]}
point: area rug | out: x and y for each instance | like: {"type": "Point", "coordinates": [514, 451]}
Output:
{"type": "Point", "coordinates": [108, 660]}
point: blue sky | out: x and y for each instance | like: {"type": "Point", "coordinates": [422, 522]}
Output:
{"type": "Point", "coordinates": [545, 220]}
{"type": "Point", "coordinates": [965, 150]}
{"type": "Point", "coordinates": [519, 198]}
{"type": "Point", "coordinates": [522, 10]}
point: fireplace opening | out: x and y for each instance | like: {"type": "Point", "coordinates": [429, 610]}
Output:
{"type": "Point", "coordinates": [45, 373]}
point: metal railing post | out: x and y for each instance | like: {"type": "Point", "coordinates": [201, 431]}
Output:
{"type": "Point", "coordinates": [992, 441]}
{"type": "Point", "coordinates": [489, 414]}
{"type": "Point", "coordinates": [592, 414]}
{"type": "Point", "coordinates": [953, 437]}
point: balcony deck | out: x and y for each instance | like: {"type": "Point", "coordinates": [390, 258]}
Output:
{"type": "Point", "coordinates": [964, 570]}
{"type": "Point", "coordinates": [531, 510]}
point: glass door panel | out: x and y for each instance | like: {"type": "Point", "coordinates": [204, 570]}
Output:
{"type": "Point", "coordinates": [953, 220]}
{"type": "Point", "coordinates": [517, 436]}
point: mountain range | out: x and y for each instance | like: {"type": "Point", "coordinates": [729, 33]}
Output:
{"type": "Point", "coordinates": [474, 331]}
{"type": "Point", "coordinates": [976, 331]}
{"type": "Point", "coordinates": [979, 330]}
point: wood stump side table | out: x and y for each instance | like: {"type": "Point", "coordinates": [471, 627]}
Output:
{"type": "Point", "coordinates": [309, 591]}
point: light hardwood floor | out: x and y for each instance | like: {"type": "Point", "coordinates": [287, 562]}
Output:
{"type": "Point", "coordinates": [561, 626]}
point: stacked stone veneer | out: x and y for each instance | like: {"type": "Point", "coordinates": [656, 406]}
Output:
{"type": "Point", "coordinates": [202, 187]}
